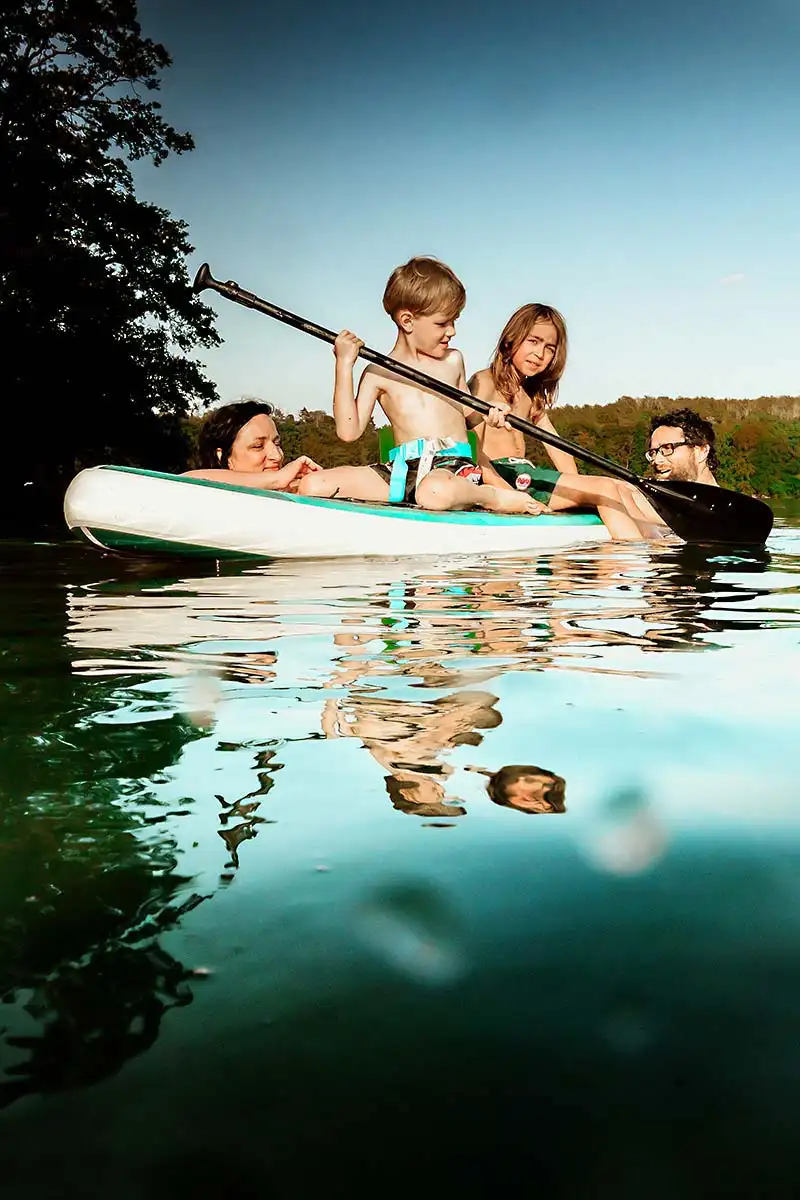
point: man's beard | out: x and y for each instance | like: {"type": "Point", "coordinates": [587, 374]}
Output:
{"type": "Point", "coordinates": [681, 474]}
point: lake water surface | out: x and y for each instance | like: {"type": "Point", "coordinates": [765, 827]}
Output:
{"type": "Point", "coordinates": [264, 930]}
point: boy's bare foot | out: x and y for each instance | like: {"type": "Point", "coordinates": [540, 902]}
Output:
{"type": "Point", "coordinates": [508, 501]}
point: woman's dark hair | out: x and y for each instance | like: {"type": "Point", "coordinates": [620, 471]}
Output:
{"type": "Point", "coordinates": [696, 430]}
{"type": "Point", "coordinates": [219, 430]}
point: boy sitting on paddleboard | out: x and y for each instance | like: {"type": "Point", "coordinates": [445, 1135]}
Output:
{"type": "Point", "coordinates": [432, 463]}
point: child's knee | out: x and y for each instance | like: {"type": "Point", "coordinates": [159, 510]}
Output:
{"type": "Point", "coordinates": [435, 492]}
{"type": "Point", "coordinates": [315, 483]}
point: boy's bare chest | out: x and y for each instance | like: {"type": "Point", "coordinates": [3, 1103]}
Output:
{"type": "Point", "coordinates": [407, 397]}
{"type": "Point", "coordinates": [422, 411]}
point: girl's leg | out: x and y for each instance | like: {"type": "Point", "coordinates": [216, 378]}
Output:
{"type": "Point", "coordinates": [345, 483]}
{"type": "Point", "coordinates": [638, 504]}
{"type": "Point", "coordinates": [617, 509]}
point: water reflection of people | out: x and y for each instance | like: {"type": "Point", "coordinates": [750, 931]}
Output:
{"type": "Point", "coordinates": [407, 738]}
{"type": "Point", "coordinates": [678, 594]}
{"type": "Point", "coordinates": [421, 796]}
{"type": "Point", "coordinates": [528, 789]}
{"type": "Point", "coordinates": [247, 666]}
{"type": "Point", "coordinates": [692, 591]}
{"type": "Point", "coordinates": [432, 626]}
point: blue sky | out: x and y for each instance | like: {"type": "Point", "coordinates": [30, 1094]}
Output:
{"type": "Point", "coordinates": [633, 163]}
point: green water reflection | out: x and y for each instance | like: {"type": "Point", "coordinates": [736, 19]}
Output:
{"type": "Point", "coordinates": [264, 925]}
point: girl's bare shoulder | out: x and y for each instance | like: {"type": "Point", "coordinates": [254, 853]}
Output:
{"type": "Point", "coordinates": [482, 384]}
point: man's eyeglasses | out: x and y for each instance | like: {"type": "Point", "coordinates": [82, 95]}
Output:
{"type": "Point", "coordinates": [666, 448]}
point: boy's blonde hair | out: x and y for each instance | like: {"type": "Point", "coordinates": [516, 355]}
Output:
{"type": "Point", "coordinates": [542, 388]}
{"type": "Point", "coordinates": [424, 286]}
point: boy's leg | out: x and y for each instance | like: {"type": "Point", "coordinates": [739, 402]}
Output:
{"type": "Point", "coordinates": [345, 483]}
{"type": "Point", "coordinates": [441, 491]}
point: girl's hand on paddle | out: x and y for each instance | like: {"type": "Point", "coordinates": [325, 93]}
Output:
{"type": "Point", "coordinates": [496, 417]}
{"type": "Point", "coordinates": [347, 348]}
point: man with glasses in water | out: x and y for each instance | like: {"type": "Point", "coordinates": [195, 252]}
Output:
{"type": "Point", "coordinates": [681, 446]}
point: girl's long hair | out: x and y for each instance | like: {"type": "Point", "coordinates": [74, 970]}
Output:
{"type": "Point", "coordinates": [542, 388]}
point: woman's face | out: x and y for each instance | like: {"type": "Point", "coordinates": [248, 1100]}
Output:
{"type": "Point", "coordinates": [257, 446]}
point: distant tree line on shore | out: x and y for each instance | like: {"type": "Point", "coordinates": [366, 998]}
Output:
{"type": "Point", "coordinates": [758, 441]}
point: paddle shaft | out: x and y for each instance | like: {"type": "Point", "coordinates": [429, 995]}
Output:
{"type": "Point", "coordinates": [233, 292]}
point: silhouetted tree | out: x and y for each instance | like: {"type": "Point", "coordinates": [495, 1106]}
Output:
{"type": "Point", "coordinates": [95, 301]}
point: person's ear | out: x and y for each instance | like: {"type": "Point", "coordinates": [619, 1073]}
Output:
{"type": "Point", "coordinates": [405, 319]}
{"type": "Point", "coordinates": [701, 453]}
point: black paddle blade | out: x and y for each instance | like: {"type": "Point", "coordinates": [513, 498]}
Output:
{"type": "Point", "coordinates": [699, 512]}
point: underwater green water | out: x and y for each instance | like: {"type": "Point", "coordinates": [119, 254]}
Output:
{"type": "Point", "coordinates": [266, 930]}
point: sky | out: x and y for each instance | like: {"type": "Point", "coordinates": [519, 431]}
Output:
{"type": "Point", "coordinates": [633, 163]}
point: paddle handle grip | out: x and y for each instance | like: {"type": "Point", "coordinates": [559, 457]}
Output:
{"type": "Point", "coordinates": [204, 279]}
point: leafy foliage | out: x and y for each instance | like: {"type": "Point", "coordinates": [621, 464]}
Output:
{"type": "Point", "coordinates": [95, 300]}
{"type": "Point", "coordinates": [314, 433]}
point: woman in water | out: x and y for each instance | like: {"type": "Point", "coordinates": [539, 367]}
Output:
{"type": "Point", "coordinates": [239, 443]}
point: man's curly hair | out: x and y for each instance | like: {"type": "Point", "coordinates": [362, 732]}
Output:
{"type": "Point", "coordinates": [696, 430]}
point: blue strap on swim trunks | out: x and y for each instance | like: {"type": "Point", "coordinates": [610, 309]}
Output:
{"type": "Point", "coordinates": [400, 456]}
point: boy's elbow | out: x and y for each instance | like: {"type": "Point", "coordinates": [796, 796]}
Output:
{"type": "Point", "coordinates": [347, 433]}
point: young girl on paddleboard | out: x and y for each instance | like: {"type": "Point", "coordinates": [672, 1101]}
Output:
{"type": "Point", "coordinates": [523, 377]}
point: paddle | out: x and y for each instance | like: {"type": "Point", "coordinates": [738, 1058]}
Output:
{"type": "Point", "coordinates": [697, 512]}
